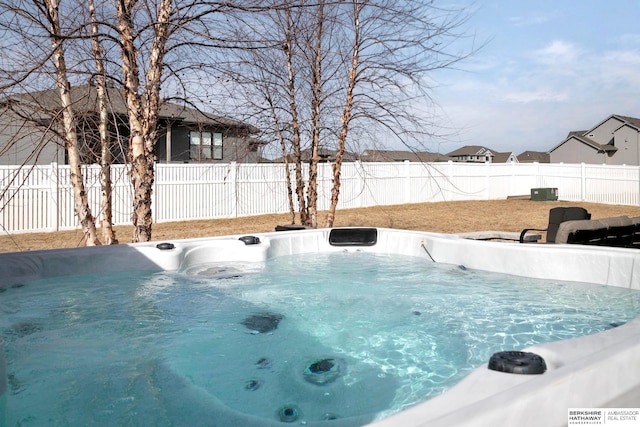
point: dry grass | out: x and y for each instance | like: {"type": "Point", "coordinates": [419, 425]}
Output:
{"type": "Point", "coordinates": [445, 217]}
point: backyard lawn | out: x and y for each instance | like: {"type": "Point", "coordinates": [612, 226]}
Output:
{"type": "Point", "coordinates": [445, 217]}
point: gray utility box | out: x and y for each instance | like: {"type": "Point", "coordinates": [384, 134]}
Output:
{"type": "Point", "coordinates": [544, 194]}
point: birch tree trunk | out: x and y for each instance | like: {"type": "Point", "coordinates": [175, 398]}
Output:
{"type": "Point", "coordinates": [295, 125]}
{"type": "Point", "coordinates": [287, 169]}
{"type": "Point", "coordinates": [142, 184]}
{"type": "Point", "coordinates": [316, 107]}
{"type": "Point", "coordinates": [108, 233]}
{"type": "Point", "coordinates": [81, 200]}
{"type": "Point", "coordinates": [143, 119]}
{"type": "Point", "coordinates": [346, 116]}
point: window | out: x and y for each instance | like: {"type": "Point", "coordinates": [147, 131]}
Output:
{"type": "Point", "coordinates": [205, 145]}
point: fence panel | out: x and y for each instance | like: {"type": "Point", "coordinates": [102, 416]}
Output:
{"type": "Point", "coordinates": [27, 197]}
{"type": "Point", "coordinates": [383, 184]}
{"type": "Point", "coordinates": [260, 189]}
{"type": "Point", "coordinates": [467, 181]}
{"type": "Point", "coordinates": [195, 192]}
{"type": "Point", "coordinates": [567, 178]}
{"type": "Point", "coordinates": [600, 180]}
{"type": "Point", "coordinates": [40, 198]}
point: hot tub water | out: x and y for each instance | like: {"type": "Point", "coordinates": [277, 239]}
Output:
{"type": "Point", "coordinates": [387, 331]}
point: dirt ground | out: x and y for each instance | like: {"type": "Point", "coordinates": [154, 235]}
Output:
{"type": "Point", "coordinates": [445, 217]}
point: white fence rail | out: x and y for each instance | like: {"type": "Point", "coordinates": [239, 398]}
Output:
{"type": "Point", "coordinates": [41, 198]}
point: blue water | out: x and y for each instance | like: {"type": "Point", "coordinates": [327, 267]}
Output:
{"type": "Point", "coordinates": [180, 348]}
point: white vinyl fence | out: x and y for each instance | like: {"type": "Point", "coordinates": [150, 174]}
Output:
{"type": "Point", "coordinates": [40, 198]}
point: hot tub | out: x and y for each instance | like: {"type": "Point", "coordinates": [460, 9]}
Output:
{"type": "Point", "coordinates": [595, 371]}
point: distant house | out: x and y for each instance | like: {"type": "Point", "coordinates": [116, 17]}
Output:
{"type": "Point", "coordinates": [534, 157]}
{"type": "Point", "coordinates": [327, 155]}
{"type": "Point", "coordinates": [614, 141]}
{"type": "Point", "coordinates": [479, 154]}
{"type": "Point", "coordinates": [400, 156]}
{"type": "Point", "coordinates": [324, 154]}
{"type": "Point", "coordinates": [29, 124]}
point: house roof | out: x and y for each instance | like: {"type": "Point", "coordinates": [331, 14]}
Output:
{"type": "Point", "coordinates": [325, 154]}
{"type": "Point", "coordinates": [85, 100]}
{"type": "Point", "coordinates": [400, 155]}
{"type": "Point", "coordinates": [469, 150]}
{"type": "Point", "coordinates": [632, 121]}
{"type": "Point", "coordinates": [478, 150]}
{"type": "Point", "coordinates": [534, 156]}
{"type": "Point", "coordinates": [502, 157]}
{"type": "Point", "coordinates": [626, 120]}
{"type": "Point", "coordinates": [588, 141]}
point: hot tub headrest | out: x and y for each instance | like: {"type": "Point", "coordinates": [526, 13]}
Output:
{"type": "Point", "coordinates": [353, 236]}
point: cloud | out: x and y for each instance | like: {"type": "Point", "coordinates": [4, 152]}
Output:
{"type": "Point", "coordinates": [628, 57]}
{"type": "Point", "coordinates": [631, 39]}
{"type": "Point", "coordinates": [534, 18]}
{"type": "Point", "coordinates": [618, 70]}
{"type": "Point", "coordinates": [557, 52]}
{"type": "Point", "coordinates": [536, 96]}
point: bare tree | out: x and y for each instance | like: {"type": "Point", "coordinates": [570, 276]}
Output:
{"type": "Point", "coordinates": [106, 159]}
{"type": "Point", "coordinates": [317, 95]}
{"type": "Point", "coordinates": [308, 73]}
{"type": "Point", "coordinates": [291, 88]}
{"type": "Point", "coordinates": [143, 119]}
{"type": "Point", "coordinates": [345, 119]}
{"type": "Point", "coordinates": [148, 32]}
{"type": "Point", "coordinates": [70, 123]}
{"type": "Point", "coordinates": [359, 63]}
{"type": "Point", "coordinates": [27, 24]}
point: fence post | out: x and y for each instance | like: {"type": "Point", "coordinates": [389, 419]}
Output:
{"type": "Point", "coordinates": [233, 181]}
{"type": "Point", "coordinates": [407, 181]}
{"type": "Point", "coordinates": [638, 170]}
{"type": "Point", "coordinates": [487, 192]}
{"type": "Point", "coordinates": [583, 181]}
{"type": "Point", "coordinates": [154, 195]}
{"type": "Point", "coordinates": [358, 185]}
{"type": "Point", "coordinates": [449, 182]}
{"type": "Point", "coordinates": [54, 198]}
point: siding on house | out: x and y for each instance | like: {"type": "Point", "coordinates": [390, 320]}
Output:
{"type": "Point", "coordinates": [628, 143]}
{"type": "Point", "coordinates": [235, 147]}
{"type": "Point", "coordinates": [603, 132]}
{"type": "Point", "coordinates": [29, 137]}
{"type": "Point", "coordinates": [614, 141]}
{"type": "Point", "coordinates": [574, 148]}
{"type": "Point", "coordinates": [26, 144]}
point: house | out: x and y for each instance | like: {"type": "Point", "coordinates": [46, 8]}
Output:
{"type": "Point", "coordinates": [402, 155]}
{"type": "Point", "coordinates": [479, 154]}
{"type": "Point", "coordinates": [534, 157]}
{"type": "Point", "coordinates": [614, 141]}
{"type": "Point", "coordinates": [325, 155]}
{"type": "Point", "coordinates": [29, 124]}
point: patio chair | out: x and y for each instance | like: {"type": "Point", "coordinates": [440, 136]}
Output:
{"type": "Point", "coordinates": [556, 217]}
{"type": "Point", "coordinates": [636, 235]}
{"type": "Point", "coordinates": [620, 231]}
{"type": "Point", "coordinates": [582, 232]}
